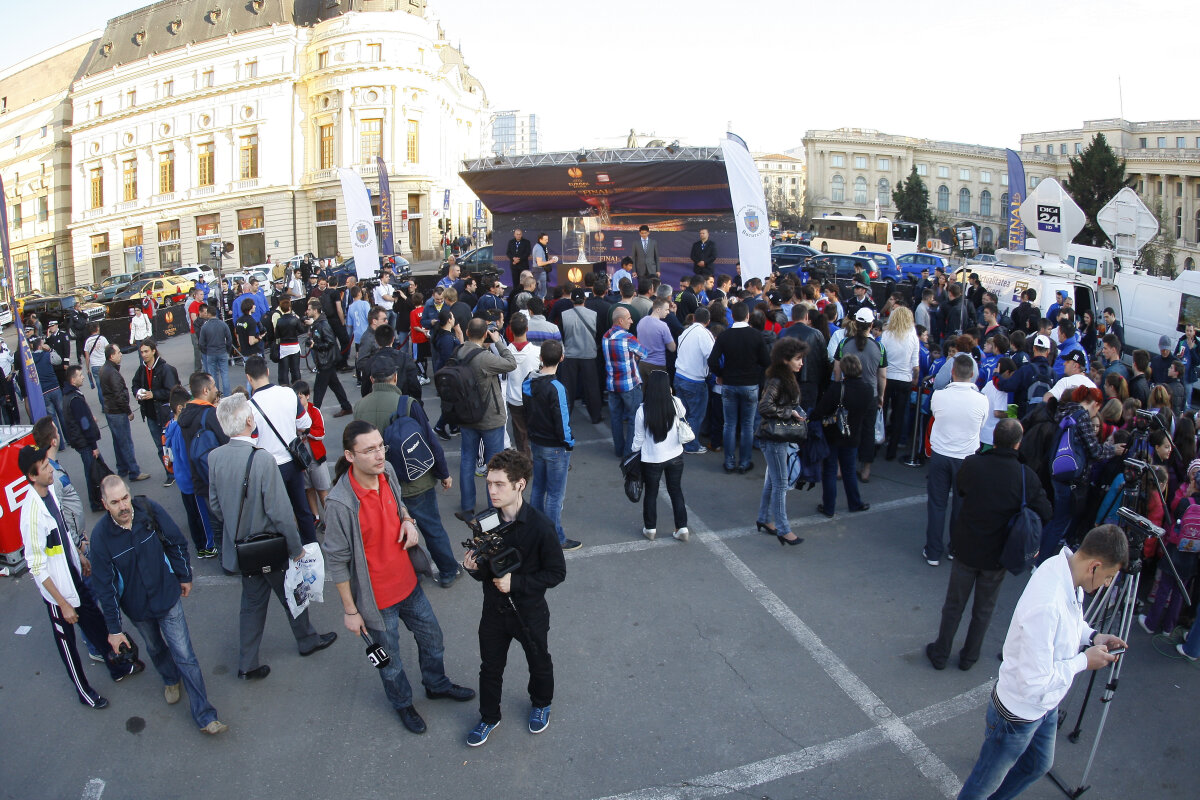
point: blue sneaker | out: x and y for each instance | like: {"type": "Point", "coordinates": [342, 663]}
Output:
{"type": "Point", "coordinates": [539, 719]}
{"type": "Point", "coordinates": [479, 734]}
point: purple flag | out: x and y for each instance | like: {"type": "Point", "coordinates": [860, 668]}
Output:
{"type": "Point", "coordinates": [33, 387]}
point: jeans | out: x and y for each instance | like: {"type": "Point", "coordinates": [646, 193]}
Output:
{"type": "Point", "coordinates": [493, 442]}
{"type": "Point", "coordinates": [1013, 756]}
{"type": "Point", "coordinates": [843, 457]}
{"type": "Point", "coordinates": [895, 410]}
{"type": "Point", "coordinates": [550, 465]}
{"type": "Point", "coordinates": [963, 579]}
{"type": "Point", "coordinates": [93, 488]}
{"type": "Point", "coordinates": [622, 408]}
{"type": "Point", "coordinates": [417, 614]}
{"type": "Point", "coordinates": [1191, 645]}
{"type": "Point", "coordinates": [651, 474]}
{"type": "Point", "coordinates": [940, 483]}
{"type": "Point", "coordinates": [54, 406]}
{"type": "Point", "coordinates": [773, 506]}
{"type": "Point", "coordinates": [293, 481]}
{"type": "Point", "coordinates": [1187, 394]}
{"type": "Point", "coordinates": [739, 405]}
{"type": "Point", "coordinates": [694, 396]}
{"type": "Point", "coordinates": [118, 426]}
{"type": "Point", "coordinates": [328, 378]}
{"type": "Point", "coordinates": [95, 382]}
{"type": "Point", "coordinates": [1054, 531]}
{"type": "Point", "coordinates": [424, 509]}
{"type": "Point", "coordinates": [498, 626]}
{"type": "Point", "coordinates": [156, 434]}
{"type": "Point", "coordinates": [170, 648]}
{"type": "Point", "coordinates": [217, 365]}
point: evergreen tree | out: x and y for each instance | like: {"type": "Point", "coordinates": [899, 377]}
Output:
{"type": "Point", "coordinates": [1096, 177]}
{"type": "Point", "coordinates": [911, 199]}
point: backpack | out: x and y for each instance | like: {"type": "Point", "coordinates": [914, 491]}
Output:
{"type": "Point", "coordinates": [1187, 528]}
{"type": "Point", "coordinates": [408, 451]}
{"type": "Point", "coordinates": [203, 442]}
{"type": "Point", "coordinates": [1024, 536]}
{"type": "Point", "coordinates": [1041, 384]}
{"type": "Point", "coordinates": [463, 399]}
{"type": "Point", "coordinates": [1068, 462]}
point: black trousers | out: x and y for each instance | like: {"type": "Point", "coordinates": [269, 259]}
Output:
{"type": "Point", "coordinates": [651, 475]}
{"type": "Point", "coordinates": [578, 375]}
{"type": "Point", "coordinates": [91, 620]}
{"type": "Point", "coordinates": [497, 628]}
{"type": "Point", "coordinates": [328, 379]}
{"type": "Point", "coordinates": [963, 579]}
{"type": "Point", "coordinates": [343, 337]}
{"type": "Point", "coordinates": [895, 413]}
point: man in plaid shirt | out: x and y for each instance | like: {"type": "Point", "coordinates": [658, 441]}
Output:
{"type": "Point", "coordinates": [621, 355]}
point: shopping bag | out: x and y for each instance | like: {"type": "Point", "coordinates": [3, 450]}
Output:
{"type": "Point", "coordinates": [304, 581]}
{"type": "Point", "coordinates": [880, 434]}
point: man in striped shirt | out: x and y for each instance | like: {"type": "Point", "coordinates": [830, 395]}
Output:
{"type": "Point", "coordinates": [621, 355]}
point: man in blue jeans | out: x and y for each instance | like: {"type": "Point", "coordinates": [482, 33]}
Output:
{"type": "Point", "coordinates": [739, 359]}
{"type": "Point", "coordinates": [1047, 645]}
{"type": "Point", "coordinates": [622, 352]}
{"type": "Point", "coordinates": [488, 366]}
{"type": "Point", "coordinates": [548, 417]}
{"type": "Point", "coordinates": [691, 374]}
{"type": "Point", "coordinates": [215, 341]}
{"type": "Point", "coordinates": [118, 413]}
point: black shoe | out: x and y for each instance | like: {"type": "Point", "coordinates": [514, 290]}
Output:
{"type": "Point", "coordinates": [442, 434]}
{"type": "Point", "coordinates": [765, 528]}
{"type": "Point", "coordinates": [411, 719]}
{"type": "Point", "coordinates": [730, 470]}
{"type": "Point", "coordinates": [747, 467]}
{"type": "Point", "coordinates": [821, 510]}
{"type": "Point", "coordinates": [326, 640]}
{"type": "Point", "coordinates": [465, 516]}
{"type": "Point", "coordinates": [96, 701]}
{"type": "Point", "coordinates": [170, 481]}
{"type": "Point", "coordinates": [863, 507]}
{"type": "Point", "coordinates": [255, 674]}
{"type": "Point", "coordinates": [785, 541]}
{"type": "Point", "coordinates": [965, 665]}
{"type": "Point", "coordinates": [939, 665]}
{"type": "Point", "coordinates": [134, 669]}
{"type": "Point", "coordinates": [460, 693]}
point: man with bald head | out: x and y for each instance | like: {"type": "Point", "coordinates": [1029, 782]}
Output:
{"type": "Point", "coordinates": [622, 353]}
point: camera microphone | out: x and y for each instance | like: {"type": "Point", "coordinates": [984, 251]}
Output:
{"type": "Point", "coordinates": [375, 653]}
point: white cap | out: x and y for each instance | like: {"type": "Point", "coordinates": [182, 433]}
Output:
{"type": "Point", "coordinates": [864, 314]}
{"type": "Point", "coordinates": [1041, 342]}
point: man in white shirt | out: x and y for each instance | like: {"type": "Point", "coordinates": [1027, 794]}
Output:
{"type": "Point", "coordinates": [1022, 718]}
{"type": "Point", "coordinates": [1074, 374]}
{"type": "Point", "coordinates": [528, 356]}
{"type": "Point", "coordinates": [94, 347]}
{"type": "Point", "coordinates": [691, 371]}
{"type": "Point", "coordinates": [959, 411]}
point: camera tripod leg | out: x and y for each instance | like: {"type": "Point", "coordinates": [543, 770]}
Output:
{"type": "Point", "coordinates": [912, 461]}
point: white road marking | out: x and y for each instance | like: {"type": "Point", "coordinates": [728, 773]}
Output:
{"type": "Point", "coordinates": [93, 791]}
{"type": "Point", "coordinates": [748, 776]}
{"type": "Point", "coordinates": [893, 728]}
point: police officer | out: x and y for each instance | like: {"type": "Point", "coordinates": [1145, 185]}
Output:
{"type": "Point", "coordinates": [59, 341]}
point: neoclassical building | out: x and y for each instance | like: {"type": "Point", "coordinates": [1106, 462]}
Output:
{"type": "Point", "coordinates": [196, 121]}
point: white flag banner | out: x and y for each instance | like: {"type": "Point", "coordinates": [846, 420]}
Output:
{"type": "Point", "coordinates": [362, 223]}
{"type": "Point", "coordinates": [749, 209]}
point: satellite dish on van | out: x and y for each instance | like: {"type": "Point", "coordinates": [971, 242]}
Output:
{"type": "Point", "coordinates": [1050, 214]}
{"type": "Point", "coordinates": [1128, 222]}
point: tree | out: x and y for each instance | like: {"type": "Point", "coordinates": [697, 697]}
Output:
{"type": "Point", "coordinates": [1096, 177]}
{"type": "Point", "coordinates": [1158, 256]}
{"type": "Point", "coordinates": [911, 199]}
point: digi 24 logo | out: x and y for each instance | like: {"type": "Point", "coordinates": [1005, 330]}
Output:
{"type": "Point", "coordinates": [1048, 218]}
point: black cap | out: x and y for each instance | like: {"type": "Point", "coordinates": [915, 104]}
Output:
{"type": "Point", "coordinates": [578, 295]}
{"type": "Point", "coordinates": [383, 365]}
{"type": "Point", "coordinates": [30, 456]}
{"type": "Point", "coordinates": [1077, 356]}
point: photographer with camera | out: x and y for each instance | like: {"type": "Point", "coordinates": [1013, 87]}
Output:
{"type": "Point", "coordinates": [517, 561]}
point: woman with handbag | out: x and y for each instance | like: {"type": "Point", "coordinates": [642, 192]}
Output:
{"type": "Point", "coordinates": [288, 330]}
{"type": "Point", "coordinates": [659, 428]}
{"type": "Point", "coordinates": [782, 427]}
{"type": "Point", "coordinates": [844, 410]}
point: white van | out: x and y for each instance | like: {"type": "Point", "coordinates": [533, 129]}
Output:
{"type": "Point", "coordinates": [1155, 307]}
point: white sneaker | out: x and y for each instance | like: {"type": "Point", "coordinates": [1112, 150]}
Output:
{"type": "Point", "coordinates": [421, 379]}
{"type": "Point", "coordinates": [649, 533]}
{"type": "Point", "coordinates": [1142, 623]}
{"type": "Point", "coordinates": [681, 534]}
{"type": "Point", "coordinates": [1179, 649]}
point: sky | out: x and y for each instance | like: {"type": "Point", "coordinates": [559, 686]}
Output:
{"type": "Point", "coordinates": [973, 72]}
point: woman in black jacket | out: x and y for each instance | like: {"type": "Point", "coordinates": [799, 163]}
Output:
{"type": "Point", "coordinates": [859, 401]}
{"type": "Point", "coordinates": [780, 400]}
{"type": "Point", "coordinates": [288, 330]}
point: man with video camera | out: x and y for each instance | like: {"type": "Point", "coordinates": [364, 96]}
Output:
{"type": "Point", "coordinates": [517, 559]}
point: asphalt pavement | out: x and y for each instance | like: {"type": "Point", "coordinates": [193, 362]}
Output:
{"type": "Point", "coordinates": [727, 665]}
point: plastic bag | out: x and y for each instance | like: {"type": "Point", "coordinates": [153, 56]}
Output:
{"type": "Point", "coordinates": [304, 581]}
{"type": "Point", "coordinates": [880, 433]}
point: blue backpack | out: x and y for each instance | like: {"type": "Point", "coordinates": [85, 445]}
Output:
{"type": "Point", "coordinates": [202, 443]}
{"type": "Point", "coordinates": [1069, 460]}
{"type": "Point", "coordinates": [408, 451]}
{"type": "Point", "coordinates": [1043, 379]}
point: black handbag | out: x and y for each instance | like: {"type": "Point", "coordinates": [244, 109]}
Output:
{"type": "Point", "coordinates": [839, 420]}
{"type": "Point", "coordinates": [257, 553]}
{"type": "Point", "coordinates": [297, 448]}
{"type": "Point", "coordinates": [631, 469]}
{"type": "Point", "coordinates": [790, 431]}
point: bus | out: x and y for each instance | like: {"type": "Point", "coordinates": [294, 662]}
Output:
{"type": "Point", "coordinates": [851, 234]}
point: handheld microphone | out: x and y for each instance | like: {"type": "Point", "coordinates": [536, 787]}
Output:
{"type": "Point", "coordinates": [375, 653]}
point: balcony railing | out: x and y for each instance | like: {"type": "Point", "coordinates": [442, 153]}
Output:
{"type": "Point", "coordinates": [247, 183]}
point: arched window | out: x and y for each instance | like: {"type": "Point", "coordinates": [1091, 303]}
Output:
{"type": "Point", "coordinates": [885, 192]}
{"type": "Point", "coordinates": [859, 216]}
{"type": "Point", "coordinates": [964, 200]}
{"type": "Point", "coordinates": [985, 203]}
{"type": "Point", "coordinates": [943, 199]}
{"type": "Point", "coordinates": [839, 189]}
{"type": "Point", "coordinates": [1004, 204]}
{"type": "Point", "coordinates": [985, 233]}
{"type": "Point", "coordinates": [860, 189]}
{"type": "Point", "coordinates": [1179, 223]}
{"type": "Point", "coordinates": [1198, 226]}
{"type": "Point", "coordinates": [1189, 264]}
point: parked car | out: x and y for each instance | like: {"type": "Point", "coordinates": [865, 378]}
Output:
{"type": "Point", "coordinates": [264, 279]}
{"type": "Point", "coordinates": [791, 255]}
{"type": "Point", "coordinates": [911, 264]}
{"type": "Point", "coordinates": [477, 260]}
{"type": "Point", "coordinates": [985, 258]}
{"type": "Point", "coordinates": [160, 289]}
{"type": "Point", "coordinates": [6, 315]}
{"type": "Point", "coordinates": [888, 268]}
{"type": "Point", "coordinates": [106, 291]}
{"type": "Point", "coordinates": [194, 272]}
{"type": "Point", "coordinates": [834, 266]}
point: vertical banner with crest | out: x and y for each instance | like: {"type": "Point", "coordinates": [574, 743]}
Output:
{"type": "Point", "coordinates": [749, 209]}
{"type": "Point", "coordinates": [362, 223]}
{"type": "Point", "coordinates": [385, 210]}
{"type": "Point", "coordinates": [35, 402]}
{"type": "Point", "coordinates": [1016, 196]}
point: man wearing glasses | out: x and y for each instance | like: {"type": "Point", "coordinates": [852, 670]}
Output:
{"type": "Point", "coordinates": [373, 560]}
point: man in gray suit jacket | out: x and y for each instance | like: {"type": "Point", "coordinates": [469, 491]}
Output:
{"type": "Point", "coordinates": [645, 255]}
{"type": "Point", "coordinates": [265, 507]}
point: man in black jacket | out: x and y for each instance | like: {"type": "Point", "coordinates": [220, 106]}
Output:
{"type": "Point", "coordinates": [704, 254]}
{"type": "Point", "coordinates": [548, 417]}
{"type": "Point", "coordinates": [739, 359]}
{"type": "Point", "coordinates": [325, 347]}
{"type": "Point", "coordinates": [514, 605]}
{"type": "Point", "coordinates": [152, 385]}
{"type": "Point", "coordinates": [815, 371]}
{"type": "Point", "coordinates": [518, 252]}
{"type": "Point", "coordinates": [993, 486]}
{"type": "Point", "coordinates": [118, 414]}
{"type": "Point", "coordinates": [956, 315]}
{"type": "Point", "coordinates": [81, 430]}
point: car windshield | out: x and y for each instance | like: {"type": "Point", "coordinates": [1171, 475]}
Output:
{"type": "Point", "coordinates": [136, 286]}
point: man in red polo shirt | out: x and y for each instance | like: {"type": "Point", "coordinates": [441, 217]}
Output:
{"type": "Point", "coordinates": [368, 536]}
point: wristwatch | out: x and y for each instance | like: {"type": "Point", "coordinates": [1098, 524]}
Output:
{"type": "Point", "coordinates": [1092, 638]}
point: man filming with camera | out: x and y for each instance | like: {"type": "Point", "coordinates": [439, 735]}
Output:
{"type": "Point", "coordinates": [517, 559]}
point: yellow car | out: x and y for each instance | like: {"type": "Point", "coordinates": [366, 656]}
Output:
{"type": "Point", "coordinates": [162, 289]}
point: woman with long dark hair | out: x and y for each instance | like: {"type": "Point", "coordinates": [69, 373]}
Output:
{"type": "Point", "coordinates": [656, 436]}
{"type": "Point", "coordinates": [859, 342]}
{"type": "Point", "coordinates": [853, 395]}
{"type": "Point", "coordinates": [288, 329]}
{"type": "Point", "coordinates": [780, 400]}
{"type": "Point", "coordinates": [447, 336]}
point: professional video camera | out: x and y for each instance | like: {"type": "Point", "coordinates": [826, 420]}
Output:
{"type": "Point", "coordinates": [493, 555]}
